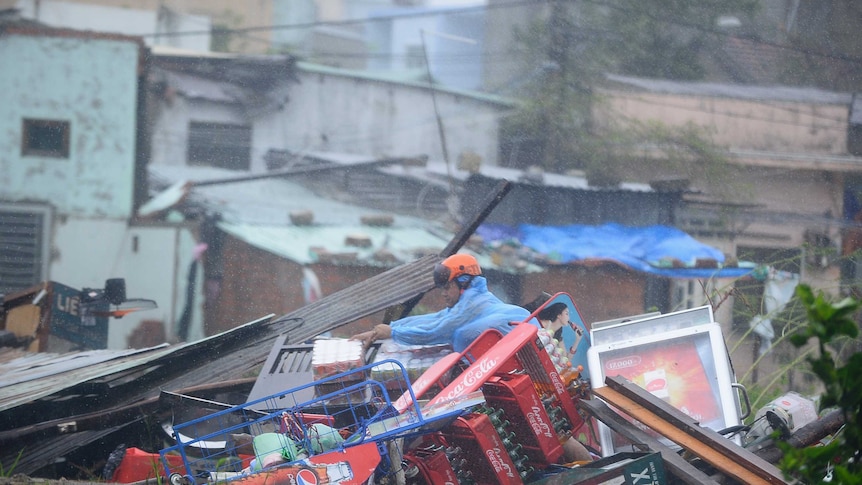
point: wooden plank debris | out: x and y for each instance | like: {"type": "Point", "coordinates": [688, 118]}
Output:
{"type": "Point", "coordinates": [676, 465]}
{"type": "Point", "coordinates": [731, 459]}
{"type": "Point", "coordinates": [807, 435]}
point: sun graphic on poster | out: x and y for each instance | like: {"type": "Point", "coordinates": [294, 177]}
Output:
{"type": "Point", "coordinates": [672, 371]}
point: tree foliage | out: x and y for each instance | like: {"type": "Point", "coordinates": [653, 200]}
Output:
{"type": "Point", "coordinates": [823, 46]}
{"type": "Point", "coordinates": [840, 460]}
{"type": "Point", "coordinates": [572, 49]}
{"type": "Point", "coordinates": [666, 39]}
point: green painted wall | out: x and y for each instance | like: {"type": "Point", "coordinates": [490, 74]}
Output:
{"type": "Point", "coordinates": [92, 84]}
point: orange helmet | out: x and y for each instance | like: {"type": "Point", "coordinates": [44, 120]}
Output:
{"type": "Point", "coordinates": [455, 266]}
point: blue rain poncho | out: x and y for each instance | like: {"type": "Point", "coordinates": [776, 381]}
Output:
{"type": "Point", "coordinates": [477, 310]}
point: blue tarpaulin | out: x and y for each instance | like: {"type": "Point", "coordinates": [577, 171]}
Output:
{"type": "Point", "coordinates": [659, 250]}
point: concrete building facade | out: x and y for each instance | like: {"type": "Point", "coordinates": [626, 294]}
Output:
{"type": "Point", "coordinates": [71, 170]}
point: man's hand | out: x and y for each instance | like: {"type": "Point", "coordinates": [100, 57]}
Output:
{"type": "Point", "coordinates": [379, 332]}
{"type": "Point", "coordinates": [365, 337]}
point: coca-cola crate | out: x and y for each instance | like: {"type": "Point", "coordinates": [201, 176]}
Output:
{"type": "Point", "coordinates": [495, 355]}
{"type": "Point", "coordinates": [516, 396]}
{"type": "Point", "coordinates": [429, 466]}
{"type": "Point", "coordinates": [482, 447]}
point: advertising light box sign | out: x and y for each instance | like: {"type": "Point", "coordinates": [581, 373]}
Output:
{"type": "Point", "coordinates": [73, 322]}
{"type": "Point", "coordinates": [685, 365]}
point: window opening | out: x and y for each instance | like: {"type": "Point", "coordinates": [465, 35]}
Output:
{"type": "Point", "coordinates": [219, 145]}
{"type": "Point", "coordinates": [45, 138]}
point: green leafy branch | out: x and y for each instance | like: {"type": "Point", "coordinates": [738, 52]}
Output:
{"type": "Point", "coordinates": [839, 461]}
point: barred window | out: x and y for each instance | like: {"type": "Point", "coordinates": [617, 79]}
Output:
{"type": "Point", "coordinates": [219, 145]}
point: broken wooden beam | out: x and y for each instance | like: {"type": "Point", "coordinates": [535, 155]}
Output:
{"type": "Point", "coordinates": [807, 435]}
{"type": "Point", "coordinates": [726, 456]}
{"type": "Point", "coordinates": [676, 465]}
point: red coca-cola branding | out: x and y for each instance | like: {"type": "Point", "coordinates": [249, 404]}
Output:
{"type": "Point", "coordinates": [475, 376]}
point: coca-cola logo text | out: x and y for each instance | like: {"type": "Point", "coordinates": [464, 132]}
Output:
{"type": "Point", "coordinates": [540, 427]}
{"type": "Point", "coordinates": [497, 463]}
{"type": "Point", "coordinates": [474, 376]}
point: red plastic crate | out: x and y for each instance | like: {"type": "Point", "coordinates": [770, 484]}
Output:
{"type": "Point", "coordinates": [433, 466]}
{"type": "Point", "coordinates": [516, 396]}
{"type": "Point", "coordinates": [482, 447]}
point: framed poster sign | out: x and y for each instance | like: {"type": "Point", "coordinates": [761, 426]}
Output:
{"type": "Point", "coordinates": [686, 365]}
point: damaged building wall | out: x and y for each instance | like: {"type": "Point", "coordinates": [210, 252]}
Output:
{"type": "Point", "coordinates": [386, 117]}
{"type": "Point", "coordinates": [254, 282]}
{"type": "Point", "coordinates": [88, 171]}
{"type": "Point", "coordinates": [69, 142]}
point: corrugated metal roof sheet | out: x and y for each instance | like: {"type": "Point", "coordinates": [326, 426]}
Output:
{"type": "Point", "coordinates": [260, 61]}
{"type": "Point", "coordinates": [757, 93]}
{"type": "Point", "coordinates": [294, 242]}
{"type": "Point", "coordinates": [258, 212]}
{"type": "Point", "coordinates": [34, 376]}
{"type": "Point", "coordinates": [33, 366]}
{"type": "Point", "coordinates": [577, 182]}
{"type": "Point", "coordinates": [266, 201]}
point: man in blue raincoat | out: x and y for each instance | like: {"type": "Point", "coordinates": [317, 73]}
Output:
{"type": "Point", "coordinates": [471, 309]}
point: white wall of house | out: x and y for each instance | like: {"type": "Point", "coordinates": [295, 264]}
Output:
{"type": "Point", "coordinates": [330, 110]}
{"type": "Point", "coordinates": [171, 127]}
{"type": "Point", "coordinates": [355, 115]}
{"type": "Point", "coordinates": [152, 259]}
